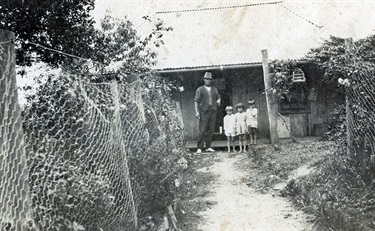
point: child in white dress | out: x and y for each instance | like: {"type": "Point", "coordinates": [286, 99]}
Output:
{"type": "Point", "coordinates": [230, 127]}
{"type": "Point", "coordinates": [252, 121]}
{"type": "Point", "coordinates": [241, 128]}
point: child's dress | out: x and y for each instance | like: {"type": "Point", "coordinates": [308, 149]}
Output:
{"type": "Point", "coordinates": [241, 123]}
{"type": "Point", "coordinates": [229, 125]}
{"type": "Point", "coordinates": [252, 117]}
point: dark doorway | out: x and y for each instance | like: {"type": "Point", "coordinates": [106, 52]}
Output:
{"type": "Point", "coordinates": [225, 94]}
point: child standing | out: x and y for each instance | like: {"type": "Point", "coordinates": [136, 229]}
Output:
{"type": "Point", "coordinates": [230, 127]}
{"type": "Point", "coordinates": [252, 121]}
{"type": "Point", "coordinates": [241, 126]}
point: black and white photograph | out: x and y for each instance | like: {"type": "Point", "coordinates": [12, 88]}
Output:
{"type": "Point", "coordinates": [177, 115]}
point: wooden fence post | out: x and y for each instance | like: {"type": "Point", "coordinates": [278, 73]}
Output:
{"type": "Point", "coordinates": [15, 203]}
{"type": "Point", "coordinates": [270, 98]}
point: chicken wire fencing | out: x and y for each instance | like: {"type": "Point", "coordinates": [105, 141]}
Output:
{"type": "Point", "coordinates": [360, 110]}
{"type": "Point", "coordinates": [15, 212]}
{"type": "Point", "coordinates": [83, 143]}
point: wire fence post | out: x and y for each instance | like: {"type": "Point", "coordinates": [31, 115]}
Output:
{"type": "Point", "coordinates": [15, 203]}
{"type": "Point", "coordinates": [117, 126]}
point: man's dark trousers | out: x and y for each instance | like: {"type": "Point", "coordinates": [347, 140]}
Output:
{"type": "Point", "coordinates": [206, 127]}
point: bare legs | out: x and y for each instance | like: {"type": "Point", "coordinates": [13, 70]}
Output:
{"type": "Point", "coordinates": [242, 142]}
{"type": "Point", "coordinates": [230, 142]}
{"type": "Point", "coordinates": [252, 135]}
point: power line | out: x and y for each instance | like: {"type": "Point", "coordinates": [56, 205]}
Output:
{"type": "Point", "coordinates": [300, 16]}
{"type": "Point", "coordinates": [58, 51]}
{"type": "Point", "coordinates": [307, 20]}
{"type": "Point", "coordinates": [218, 8]}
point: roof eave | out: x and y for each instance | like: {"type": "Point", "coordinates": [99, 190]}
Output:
{"type": "Point", "coordinates": [215, 67]}
{"type": "Point", "coordinates": [207, 68]}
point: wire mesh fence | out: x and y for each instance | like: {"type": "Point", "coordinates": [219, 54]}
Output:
{"type": "Point", "coordinates": [15, 212]}
{"type": "Point", "coordinates": [360, 111]}
{"type": "Point", "coordinates": [87, 156]}
{"type": "Point", "coordinates": [87, 147]}
{"type": "Point", "coordinates": [77, 142]}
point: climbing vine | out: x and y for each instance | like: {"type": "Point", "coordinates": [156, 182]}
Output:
{"type": "Point", "coordinates": [282, 77]}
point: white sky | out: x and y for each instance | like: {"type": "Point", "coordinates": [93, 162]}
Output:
{"type": "Point", "coordinates": [238, 35]}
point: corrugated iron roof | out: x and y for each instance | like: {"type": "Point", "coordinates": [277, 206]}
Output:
{"type": "Point", "coordinates": [217, 67]}
{"type": "Point", "coordinates": [209, 67]}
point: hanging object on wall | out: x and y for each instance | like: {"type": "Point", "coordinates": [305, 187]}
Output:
{"type": "Point", "coordinates": [298, 76]}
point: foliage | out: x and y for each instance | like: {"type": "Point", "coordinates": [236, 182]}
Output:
{"type": "Point", "coordinates": [282, 77]}
{"type": "Point", "coordinates": [62, 188]}
{"type": "Point", "coordinates": [119, 52]}
{"type": "Point", "coordinates": [341, 61]}
{"type": "Point", "coordinates": [157, 162]}
{"type": "Point", "coordinates": [155, 150]}
{"type": "Point", "coordinates": [350, 65]}
{"type": "Point", "coordinates": [335, 195]}
{"type": "Point", "coordinates": [340, 192]}
{"type": "Point", "coordinates": [59, 24]}
{"type": "Point", "coordinates": [273, 164]}
{"type": "Point", "coordinates": [337, 130]}
{"type": "Point", "coordinates": [340, 58]}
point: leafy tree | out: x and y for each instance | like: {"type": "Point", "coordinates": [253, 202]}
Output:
{"type": "Point", "coordinates": [339, 59]}
{"type": "Point", "coordinates": [119, 52]}
{"type": "Point", "coordinates": [64, 25]}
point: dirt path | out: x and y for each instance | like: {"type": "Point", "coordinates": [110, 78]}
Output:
{"type": "Point", "coordinates": [237, 206]}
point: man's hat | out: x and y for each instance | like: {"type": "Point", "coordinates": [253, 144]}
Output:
{"type": "Point", "coordinates": [251, 101]}
{"type": "Point", "coordinates": [207, 75]}
{"type": "Point", "coordinates": [228, 108]}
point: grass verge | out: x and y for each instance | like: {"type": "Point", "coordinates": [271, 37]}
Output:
{"type": "Point", "coordinates": [196, 187]}
{"type": "Point", "coordinates": [336, 195]}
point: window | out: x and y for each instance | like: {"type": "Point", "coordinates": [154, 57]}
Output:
{"type": "Point", "coordinates": [296, 101]}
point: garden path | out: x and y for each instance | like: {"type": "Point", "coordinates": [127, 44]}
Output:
{"type": "Point", "coordinates": [238, 207]}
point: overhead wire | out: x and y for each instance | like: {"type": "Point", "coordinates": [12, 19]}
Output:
{"type": "Point", "coordinates": [315, 25]}
{"type": "Point", "coordinates": [59, 51]}
{"type": "Point", "coordinates": [218, 8]}
{"type": "Point", "coordinates": [179, 11]}
{"type": "Point", "coordinates": [300, 16]}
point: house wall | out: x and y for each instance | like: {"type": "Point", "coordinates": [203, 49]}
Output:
{"type": "Point", "coordinates": [190, 81]}
{"type": "Point", "coordinates": [322, 102]}
{"type": "Point", "coordinates": [240, 84]}
{"type": "Point", "coordinates": [188, 114]}
{"type": "Point", "coordinates": [248, 84]}
{"type": "Point", "coordinates": [235, 85]}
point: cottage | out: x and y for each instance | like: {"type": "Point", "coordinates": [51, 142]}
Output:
{"type": "Point", "coordinates": [307, 112]}
{"type": "Point", "coordinates": [228, 41]}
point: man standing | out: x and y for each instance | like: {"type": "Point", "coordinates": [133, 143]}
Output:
{"type": "Point", "coordinates": [207, 99]}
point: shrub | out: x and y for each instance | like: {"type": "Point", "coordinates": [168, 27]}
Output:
{"type": "Point", "coordinates": [337, 130]}
{"type": "Point", "coordinates": [336, 195]}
